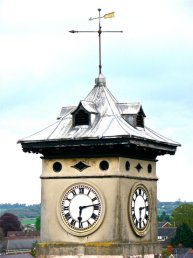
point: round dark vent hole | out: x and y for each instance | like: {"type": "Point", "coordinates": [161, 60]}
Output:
{"type": "Point", "coordinates": [149, 168]}
{"type": "Point", "coordinates": [104, 165]}
{"type": "Point", "coordinates": [127, 165]}
{"type": "Point", "coordinates": [57, 166]}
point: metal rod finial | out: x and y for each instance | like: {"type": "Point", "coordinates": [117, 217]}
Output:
{"type": "Point", "coordinates": [108, 15]}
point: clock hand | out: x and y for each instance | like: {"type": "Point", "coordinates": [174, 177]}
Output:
{"type": "Point", "coordinates": [140, 209]}
{"type": "Point", "coordinates": [80, 211]}
{"type": "Point", "coordinates": [79, 217]}
{"type": "Point", "coordinates": [86, 206]}
{"type": "Point", "coordinates": [140, 213]}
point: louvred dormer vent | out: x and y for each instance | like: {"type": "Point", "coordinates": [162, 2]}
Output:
{"type": "Point", "coordinates": [140, 120]}
{"type": "Point", "coordinates": [81, 117]}
{"type": "Point", "coordinates": [132, 113]}
{"type": "Point", "coordinates": [84, 114]}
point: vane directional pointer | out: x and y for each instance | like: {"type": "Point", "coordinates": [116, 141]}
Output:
{"type": "Point", "coordinates": [99, 31]}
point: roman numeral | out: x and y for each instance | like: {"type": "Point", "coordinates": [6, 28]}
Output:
{"type": "Point", "coordinates": [88, 223]}
{"type": "Point", "coordinates": [133, 215]}
{"type": "Point", "coordinates": [134, 197]}
{"type": "Point", "coordinates": [143, 224]}
{"type": "Point", "coordinates": [142, 192]}
{"type": "Point", "coordinates": [81, 190]}
{"type": "Point", "coordinates": [88, 192]}
{"type": "Point", "coordinates": [96, 207]}
{"type": "Point", "coordinates": [67, 216]}
{"type": "Point", "coordinates": [80, 225]}
{"type": "Point", "coordinates": [94, 199]}
{"type": "Point", "coordinates": [73, 222]}
{"type": "Point", "coordinates": [144, 195]}
{"type": "Point", "coordinates": [136, 222]}
{"type": "Point", "coordinates": [94, 216]}
{"type": "Point", "coordinates": [139, 191]}
{"type": "Point", "coordinates": [73, 192]}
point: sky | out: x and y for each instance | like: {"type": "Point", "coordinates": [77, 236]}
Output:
{"type": "Point", "coordinates": [44, 67]}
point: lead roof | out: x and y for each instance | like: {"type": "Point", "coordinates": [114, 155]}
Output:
{"type": "Point", "coordinates": [107, 121]}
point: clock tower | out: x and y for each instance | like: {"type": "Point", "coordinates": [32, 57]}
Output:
{"type": "Point", "coordinates": [99, 183]}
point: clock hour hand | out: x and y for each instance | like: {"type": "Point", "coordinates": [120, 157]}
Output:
{"type": "Point", "coordinates": [80, 214]}
{"type": "Point", "coordinates": [140, 209]}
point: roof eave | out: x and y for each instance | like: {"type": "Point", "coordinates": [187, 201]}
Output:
{"type": "Point", "coordinates": [108, 143]}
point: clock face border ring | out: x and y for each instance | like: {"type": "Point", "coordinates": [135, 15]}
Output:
{"type": "Point", "coordinates": [60, 213]}
{"type": "Point", "coordinates": [131, 213]}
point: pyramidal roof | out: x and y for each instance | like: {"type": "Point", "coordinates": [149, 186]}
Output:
{"type": "Point", "coordinates": [106, 119]}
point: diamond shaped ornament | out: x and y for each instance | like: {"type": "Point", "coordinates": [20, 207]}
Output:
{"type": "Point", "coordinates": [80, 166]}
{"type": "Point", "coordinates": [138, 167]}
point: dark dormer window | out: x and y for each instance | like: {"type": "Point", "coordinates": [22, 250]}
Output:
{"type": "Point", "coordinates": [139, 120]}
{"type": "Point", "coordinates": [81, 118]}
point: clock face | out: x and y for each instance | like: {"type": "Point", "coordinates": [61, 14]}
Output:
{"type": "Point", "coordinates": [81, 207]}
{"type": "Point", "coordinates": [140, 210]}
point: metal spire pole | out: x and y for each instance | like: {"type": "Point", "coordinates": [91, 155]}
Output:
{"type": "Point", "coordinates": [99, 34]}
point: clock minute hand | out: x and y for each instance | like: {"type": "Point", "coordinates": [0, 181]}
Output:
{"type": "Point", "coordinates": [86, 206]}
{"type": "Point", "coordinates": [141, 208]}
{"type": "Point", "coordinates": [81, 208]}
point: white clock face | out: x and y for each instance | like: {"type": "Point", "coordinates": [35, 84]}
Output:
{"type": "Point", "coordinates": [140, 210]}
{"type": "Point", "coordinates": [81, 207]}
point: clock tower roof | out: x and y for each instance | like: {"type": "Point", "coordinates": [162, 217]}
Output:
{"type": "Point", "coordinates": [99, 120]}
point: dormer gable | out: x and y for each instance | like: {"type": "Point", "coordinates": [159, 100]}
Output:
{"type": "Point", "coordinates": [82, 114]}
{"type": "Point", "coordinates": [133, 113]}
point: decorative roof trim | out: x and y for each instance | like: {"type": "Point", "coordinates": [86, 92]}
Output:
{"type": "Point", "coordinates": [87, 106]}
{"type": "Point", "coordinates": [130, 108]}
{"type": "Point", "coordinates": [66, 111]}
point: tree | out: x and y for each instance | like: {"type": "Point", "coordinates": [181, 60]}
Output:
{"type": "Point", "coordinates": [184, 236]}
{"type": "Point", "coordinates": [183, 214]}
{"type": "Point", "coordinates": [37, 223]}
{"type": "Point", "coordinates": [164, 217]}
{"type": "Point", "coordinates": [9, 222]}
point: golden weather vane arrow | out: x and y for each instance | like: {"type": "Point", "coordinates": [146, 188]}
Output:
{"type": "Point", "coordinates": [108, 15]}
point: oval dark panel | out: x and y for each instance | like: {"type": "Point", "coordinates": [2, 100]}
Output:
{"type": "Point", "coordinates": [104, 165]}
{"type": "Point", "coordinates": [149, 168]}
{"type": "Point", "coordinates": [57, 167]}
{"type": "Point", "coordinates": [127, 165]}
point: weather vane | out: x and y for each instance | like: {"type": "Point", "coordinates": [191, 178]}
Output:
{"type": "Point", "coordinates": [108, 15]}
